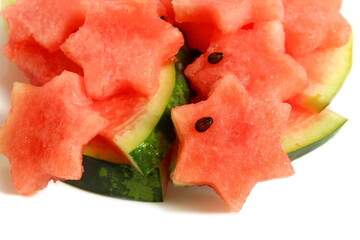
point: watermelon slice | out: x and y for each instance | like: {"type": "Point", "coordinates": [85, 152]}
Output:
{"type": "Point", "coordinates": [259, 61]}
{"type": "Point", "coordinates": [306, 131]}
{"type": "Point", "coordinates": [38, 64]}
{"type": "Point", "coordinates": [118, 47]}
{"type": "Point", "coordinates": [27, 19]}
{"type": "Point", "coordinates": [240, 148]}
{"type": "Point", "coordinates": [327, 70]}
{"type": "Point", "coordinates": [38, 136]}
{"type": "Point", "coordinates": [311, 25]}
{"type": "Point", "coordinates": [146, 137]}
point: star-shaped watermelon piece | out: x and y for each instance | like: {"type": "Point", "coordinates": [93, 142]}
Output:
{"type": "Point", "coordinates": [240, 147]}
{"type": "Point", "coordinates": [258, 60]}
{"type": "Point", "coordinates": [49, 23]}
{"type": "Point", "coordinates": [123, 45]}
{"type": "Point", "coordinates": [227, 15]}
{"type": "Point", "coordinates": [46, 130]}
{"type": "Point", "coordinates": [311, 25]}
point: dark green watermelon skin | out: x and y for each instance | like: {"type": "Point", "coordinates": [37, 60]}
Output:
{"type": "Point", "coordinates": [121, 181]}
{"type": "Point", "coordinates": [153, 150]}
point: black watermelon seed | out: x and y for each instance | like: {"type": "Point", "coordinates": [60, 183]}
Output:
{"type": "Point", "coordinates": [215, 57]}
{"type": "Point", "coordinates": [203, 124]}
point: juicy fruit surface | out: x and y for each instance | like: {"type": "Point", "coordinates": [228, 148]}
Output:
{"type": "Point", "coordinates": [130, 61]}
{"type": "Point", "coordinates": [28, 18]}
{"type": "Point", "coordinates": [259, 62]}
{"type": "Point", "coordinates": [38, 137]}
{"type": "Point", "coordinates": [249, 142]}
{"type": "Point", "coordinates": [305, 33]}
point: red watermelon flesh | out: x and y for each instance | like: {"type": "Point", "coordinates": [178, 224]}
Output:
{"type": "Point", "coordinates": [311, 25]}
{"type": "Point", "coordinates": [42, 136]}
{"type": "Point", "coordinates": [48, 22]}
{"type": "Point", "coordinates": [38, 64]}
{"type": "Point", "coordinates": [259, 61]}
{"type": "Point", "coordinates": [166, 11]}
{"type": "Point", "coordinates": [240, 148]}
{"type": "Point", "coordinates": [227, 15]}
{"type": "Point", "coordinates": [119, 47]}
{"type": "Point", "coordinates": [198, 35]}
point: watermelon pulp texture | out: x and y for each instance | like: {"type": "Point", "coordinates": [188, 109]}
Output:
{"type": "Point", "coordinates": [38, 136]}
{"type": "Point", "coordinates": [130, 61]}
{"type": "Point", "coordinates": [237, 124]}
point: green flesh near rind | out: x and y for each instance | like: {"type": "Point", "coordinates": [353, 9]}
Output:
{"type": "Point", "coordinates": [122, 181]}
{"type": "Point", "coordinates": [338, 65]}
{"type": "Point", "coordinates": [5, 3]}
{"type": "Point", "coordinates": [309, 133]}
{"type": "Point", "coordinates": [148, 150]}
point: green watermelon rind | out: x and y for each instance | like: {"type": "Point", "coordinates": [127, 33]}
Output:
{"type": "Point", "coordinates": [121, 181]}
{"type": "Point", "coordinates": [302, 138]}
{"type": "Point", "coordinates": [5, 3]}
{"type": "Point", "coordinates": [153, 150]}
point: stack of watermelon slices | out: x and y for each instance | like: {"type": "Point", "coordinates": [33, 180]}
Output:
{"type": "Point", "coordinates": [102, 86]}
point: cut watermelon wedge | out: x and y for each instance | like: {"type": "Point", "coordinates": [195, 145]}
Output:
{"type": "Point", "coordinates": [306, 131]}
{"type": "Point", "coordinates": [327, 70]}
{"type": "Point", "coordinates": [147, 138]}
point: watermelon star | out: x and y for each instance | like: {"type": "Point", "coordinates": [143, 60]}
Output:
{"type": "Point", "coordinates": [46, 131]}
{"type": "Point", "coordinates": [230, 142]}
{"type": "Point", "coordinates": [259, 61]}
{"type": "Point", "coordinates": [311, 25]}
{"type": "Point", "coordinates": [49, 23]}
{"type": "Point", "coordinates": [122, 45]}
{"type": "Point", "coordinates": [227, 15]}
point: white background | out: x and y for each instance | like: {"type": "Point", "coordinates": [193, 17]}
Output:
{"type": "Point", "coordinates": [322, 200]}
